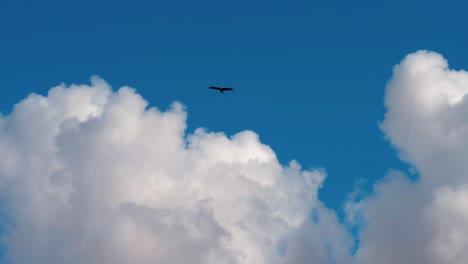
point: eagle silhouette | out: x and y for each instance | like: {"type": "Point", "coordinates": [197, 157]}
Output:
{"type": "Point", "coordinates": [222, 90]}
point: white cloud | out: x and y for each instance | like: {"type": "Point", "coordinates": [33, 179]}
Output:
{"type": "Point", "coordinates": [447, 218]}
{"type": "Point", "coordinates": [88, 175]}
{"type": "Point", "coordinates": [426, 120]}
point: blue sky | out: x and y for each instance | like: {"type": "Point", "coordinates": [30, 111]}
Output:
{"type": "Point", "coordinates": [309, 75]}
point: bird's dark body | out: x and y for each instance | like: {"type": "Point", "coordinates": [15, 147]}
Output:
{"type": "Point", "coordinates": [222, 90]}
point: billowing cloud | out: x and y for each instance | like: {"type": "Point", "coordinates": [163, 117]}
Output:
{"type": "Point", "coordinates": [92, 175]}
{"type": "Point", "coordinates": [89, 175]}
{"type": "Point", "coordinates": [424, 221]}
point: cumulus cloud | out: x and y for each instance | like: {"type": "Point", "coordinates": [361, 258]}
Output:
{"type": "Point", "coordinates": [92, 175]}
{"type": "Point", "coordinates": [424, 221]}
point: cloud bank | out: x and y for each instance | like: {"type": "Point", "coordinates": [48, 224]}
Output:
{"type": "Point", "coordinates": [89, 175]}
{"type": "Point", "coordinates": [425, 221]}
{"type": "Point", "coordinates": [93, 175]}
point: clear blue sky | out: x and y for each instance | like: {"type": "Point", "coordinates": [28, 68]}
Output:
{"type": "Point", "coordinates": [309, 75]}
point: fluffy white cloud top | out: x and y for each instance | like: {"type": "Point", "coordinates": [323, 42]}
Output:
{"type": "Point", "coordinates": [92, 175]}
{"type": "Point", "coordinates": [89, 175]}
{"type": "Point", "coordinates": [425, 221]}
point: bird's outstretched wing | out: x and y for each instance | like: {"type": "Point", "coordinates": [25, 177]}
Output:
{"type": "Point", "coordinates": [227, 89]}
{"type": "Point", "coordinates": [215, 88]}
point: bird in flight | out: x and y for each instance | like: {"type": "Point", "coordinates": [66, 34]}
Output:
{"type": "Point", "coordinates": [222, 90]}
